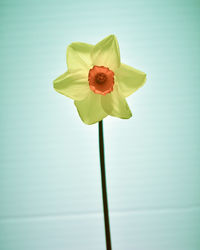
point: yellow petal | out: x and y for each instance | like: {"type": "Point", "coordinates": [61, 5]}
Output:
{"type": "Point", "coordinates": [115, 104]}
{"type": "Point", "coordinates": [90, 109]}
{"type": "Point", "coordinates": [129, 79]}
{"type": "Point", "coordinates": [78, 56]}
{"type": "Point", "coordinates": [73, 84]}
{"type": "Point", "coordinates": [106, 53]}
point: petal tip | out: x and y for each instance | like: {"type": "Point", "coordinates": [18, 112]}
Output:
{"type": "Point", "coordinates": [144, 79]}
{"type": "Point", "coordinates": [112, 36]}
{"type": "Point", "coordinates": [55, 82]}
{"type": "Point", "coordinates": [129, 115]}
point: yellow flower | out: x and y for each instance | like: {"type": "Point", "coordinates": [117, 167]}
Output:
{"type": "Point", "coordinates": [97, 81]}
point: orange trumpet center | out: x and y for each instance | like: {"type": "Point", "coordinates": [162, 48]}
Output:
{"type": "Point", "coordinates": [101, 80]}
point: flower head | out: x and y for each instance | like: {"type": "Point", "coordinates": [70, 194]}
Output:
{"type": "Point", "coordinates": [97, 81]}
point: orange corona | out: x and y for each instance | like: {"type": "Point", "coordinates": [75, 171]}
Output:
{"type": "Point", "coordinates": [101, 80]}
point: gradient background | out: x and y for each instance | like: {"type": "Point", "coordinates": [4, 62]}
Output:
{"type": "Point", "coordinates": [50, 190]}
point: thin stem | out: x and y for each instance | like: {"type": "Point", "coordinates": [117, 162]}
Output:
{"type": "Point", "coordinates": [103, 184]}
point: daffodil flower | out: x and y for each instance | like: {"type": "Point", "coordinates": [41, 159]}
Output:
{"type": "Point", "coordinates": [97, 81]}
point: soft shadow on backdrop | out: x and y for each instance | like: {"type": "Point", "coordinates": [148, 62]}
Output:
{"type": "Point", "coordinates": [50, 192]}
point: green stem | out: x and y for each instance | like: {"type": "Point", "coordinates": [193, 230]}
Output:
{"type": "Point", "coordinates": [103, 184]}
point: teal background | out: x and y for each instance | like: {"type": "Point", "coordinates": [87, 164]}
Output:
{"type": "Point", "coordinates": [50, 190]}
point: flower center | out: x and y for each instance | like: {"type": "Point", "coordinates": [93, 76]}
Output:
{"type": "Point", "coordinates": [101, 80]}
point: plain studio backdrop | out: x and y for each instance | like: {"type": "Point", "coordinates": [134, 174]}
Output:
{"type": "Point", "coordinates": [50, 189]}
